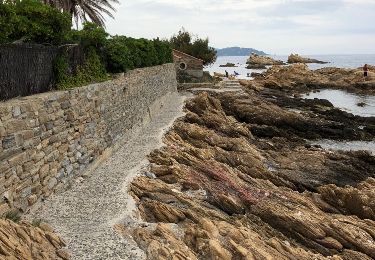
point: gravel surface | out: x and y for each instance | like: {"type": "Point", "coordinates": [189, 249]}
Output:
{"type": "Point", "coordinates": [86, 214]}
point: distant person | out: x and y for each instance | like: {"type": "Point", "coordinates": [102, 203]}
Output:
{"type": "Point", "coordinates": [236, 73]}
{"type": "Point", "coordinates": [365, 71]}
{"type": "Point", "coordinates": [226, 74]}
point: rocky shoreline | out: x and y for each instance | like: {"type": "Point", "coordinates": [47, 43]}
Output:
{"type": "Point", "coordinates": [238, 178]}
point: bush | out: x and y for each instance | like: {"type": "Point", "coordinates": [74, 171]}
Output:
{"type": "Point", "coordinates": [118, 55]}
{"type": "Point", "coordinates": [91, 35]}
{"type": "Point", "coordinates": [91, 71]}
{"type": "Point", "coordinates": [125, 53]}
{"type": "Point", "coordinates": [183, 41]}
{"type": "Point", "coordinates": [33, 21]}
{"type": "Point", "coordinates": [164, 51]}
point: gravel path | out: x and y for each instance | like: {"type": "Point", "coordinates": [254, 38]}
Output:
{"type": "Point", "coordinates": [85, 215]}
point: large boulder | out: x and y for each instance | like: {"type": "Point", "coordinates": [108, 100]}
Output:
{"type": "Point", "coordinates": [256, 59]}
{"type": "Point", "coordinates": [295, 58]}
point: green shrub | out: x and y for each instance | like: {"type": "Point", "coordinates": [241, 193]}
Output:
{"type": "Point", "coordinates": [118, 55]}
{"type": "Point", "coordinates": [164, 51]}
{"type": "Point", "coordinates": [90, 72]}
{"type": "Point", "coordinates": [32, 21]}
{"type": "Point", "coordinates": [91, 35]}
{"type": "Point", "coordinates": [198, 47]}
{"type": "Point", "coordinates": [125, 53]}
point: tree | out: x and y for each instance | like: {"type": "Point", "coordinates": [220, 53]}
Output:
{"type": "Point", "coordinates": [32, 21]}
{"type": "Point", "coordinates": [186, 42]}
{"type": "Point", "coordinates": [85, 10]}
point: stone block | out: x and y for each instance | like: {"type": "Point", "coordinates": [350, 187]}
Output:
{"type": "Point", "coordinates": [69, 169]}
{"type": "Point", "coordinates": [32, 199]}
{"type": "Point", "coordinates": [26, 192]}
{"type": "Point", "coordinates": [4, 110]}
{"type": "Point", "coordinates": [52, 183]}
{"type": "Point", "coordinates": [16, 111]}
{"type": "Point", "coordinates": [4, 166]}
{"type": "Point", "coordinates": [44, 171]}
{"type": "Point", "coordinates": [31, 123]}
{"type": "Point", "coordinates": [2, 131]}
{"type": "Point", "coordinates": [27, 134]}
{"type": "Point", "coordinates": [38, 156]}
{"type": "Point", "coordinates": [17, 159]}
{"type": "Point", "coordinates": [24, 185]}
{"type": "Point", "coordinates": [43, 118]}
{"type": "Point", "coordinates": [15, 125]}
{"type": "Point", "coordinates": [65, 104]}
{"type": "Point", "coordinates": [9, 141]}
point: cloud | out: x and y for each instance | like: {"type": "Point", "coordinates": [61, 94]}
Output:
{"type": "Point", "coordinates": [272, 25]}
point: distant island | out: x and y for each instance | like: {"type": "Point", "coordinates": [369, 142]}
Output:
{"type": "Point", "coordinates": [238, 51]}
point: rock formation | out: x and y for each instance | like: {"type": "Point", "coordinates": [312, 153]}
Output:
{"type": "Point", "coordinates": [256, 66]}
{"type": "Point", "coordinates": [229, 65]}
{"type": "Point", "coordinates": [295, 58]}
{"type": "Point", "coordinates": [300, 76]}
{"type": "Point", "coordinates": [255, 59]}
{"type": "Point", "coordinates": [237, 180]}
{"type": "Point", "coordinates": [24, 241]}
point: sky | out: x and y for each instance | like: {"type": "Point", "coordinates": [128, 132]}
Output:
{"type": "Point", "coordinates": [274, 26]}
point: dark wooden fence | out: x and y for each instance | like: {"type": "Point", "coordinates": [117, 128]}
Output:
{"type": "Point", "coordinates": [27, 69]}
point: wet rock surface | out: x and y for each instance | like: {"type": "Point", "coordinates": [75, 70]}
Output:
{"type": "Point", "coordinates": [238, 179]}
{"type": "Point", "coordinates": [24, 241]}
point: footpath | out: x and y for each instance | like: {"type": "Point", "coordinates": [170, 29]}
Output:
{"type": "Point", "coordinates": [85, 215]}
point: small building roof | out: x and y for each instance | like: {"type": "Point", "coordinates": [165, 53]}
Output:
{"type": "Point", "coordinates": [185, 54]}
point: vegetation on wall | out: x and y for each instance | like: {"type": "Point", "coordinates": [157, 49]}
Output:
{"type": "Point", "coordinates": [125, 53]}
{"type": "Point", "coordinates": [91, 71]}
{"type": "Point", "coordinates": [186, 42]}
{"type": "Point", "coordinates": [34, 22]}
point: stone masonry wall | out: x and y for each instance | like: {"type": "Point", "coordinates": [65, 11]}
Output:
{"type": "Point", "coordinates": [47, 139]}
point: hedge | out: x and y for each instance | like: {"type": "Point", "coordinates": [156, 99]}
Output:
{"type": "Point", "coordinates": [34, 22]}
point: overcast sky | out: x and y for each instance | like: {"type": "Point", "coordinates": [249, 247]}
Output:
{"type": "Point", "coordinates": [274, 26]}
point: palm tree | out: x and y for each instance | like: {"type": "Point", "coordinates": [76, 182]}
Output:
{"type": "Point", "coordinates": [84, 10]}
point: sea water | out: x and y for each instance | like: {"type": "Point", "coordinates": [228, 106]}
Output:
{"type": "Point", "coordinates": [341, 99]}
{"type": "Point", "coordinates": [346, 101]}
{"type": "Point", "coordinates": [339, 61]}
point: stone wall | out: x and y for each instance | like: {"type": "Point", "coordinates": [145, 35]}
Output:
{"type": "Point", "coordinates": [47, 139]}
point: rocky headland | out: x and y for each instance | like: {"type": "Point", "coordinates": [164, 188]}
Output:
{"type": "Point", "coordinates": [239, 178]}
{"type": "Point", "coordinates": [295, 58]}
{"type": "Point", "coordinates": [259, 61]}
